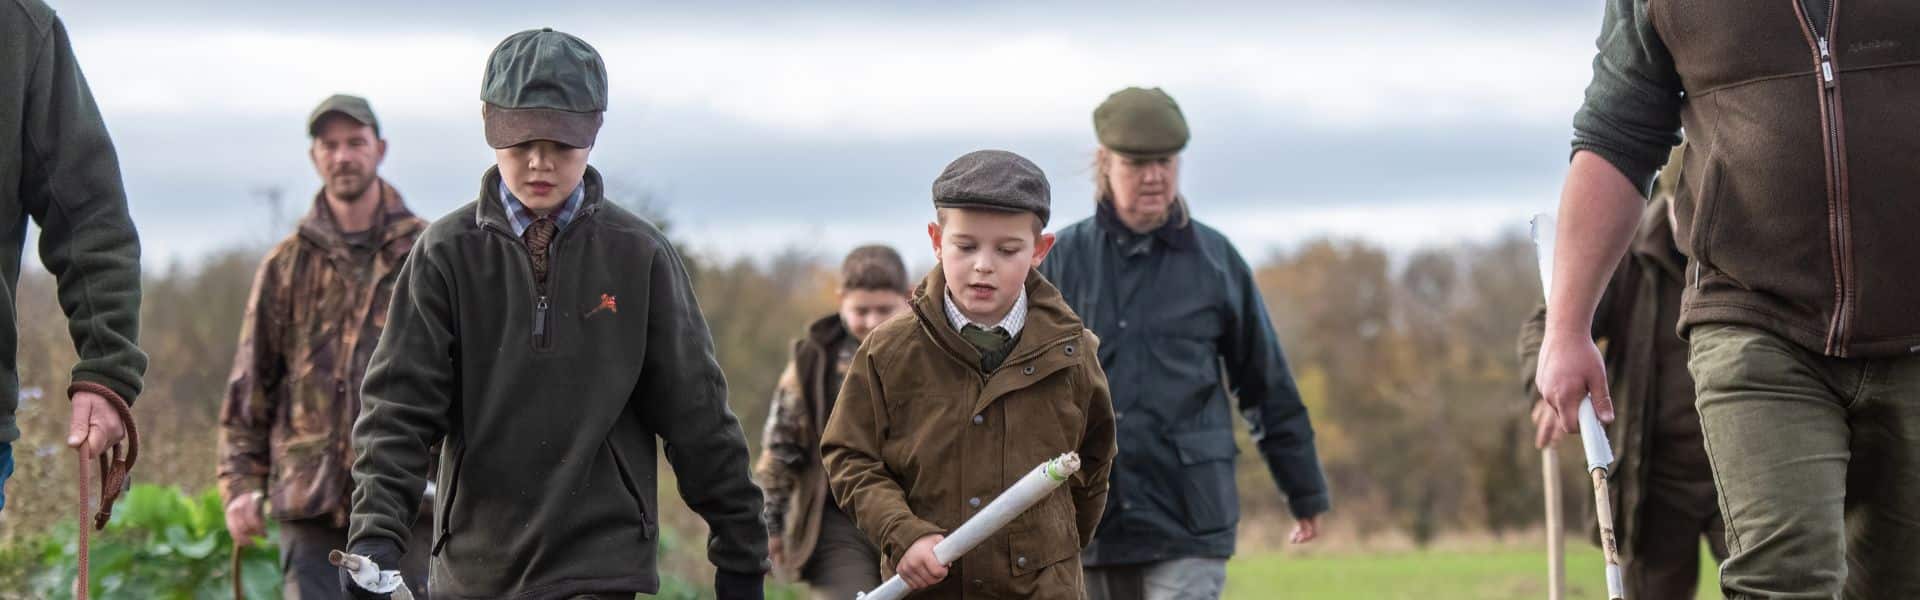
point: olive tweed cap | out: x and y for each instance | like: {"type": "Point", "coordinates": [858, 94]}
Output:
{"type": "Point", "coordinates": [1141, 122]}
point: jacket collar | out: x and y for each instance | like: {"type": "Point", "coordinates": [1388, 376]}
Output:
{"type": "Point", "coordinates": [490, 212]}
{"type": "Point", "coordinates": [827, 331]}
{"type": "Point", "coordinates": [1050, 321]}
{"type": "Point", "coordinates": [1176, 233]}
{"type": "Point", "coordinates": [391, 222]}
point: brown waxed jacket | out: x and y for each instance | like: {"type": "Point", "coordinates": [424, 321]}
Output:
{"type": "Point", "coordinates": [312, 320]}
{"type": "Point", "coordinates": [920, 440]}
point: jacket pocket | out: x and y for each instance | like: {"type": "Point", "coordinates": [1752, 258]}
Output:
{"type": "Point", "coordinates": [1051, 535]}
{"type": "Point", "coordinates": [445, 521]}
{"type": "Point", "coordinates": [1701, 217]}
{"type": "Point", "coordinates": [1209, 490]}
{"type": "Point", "coordinates": [298, 467]}
{"type": "Point", "coordinates": [633, 490]}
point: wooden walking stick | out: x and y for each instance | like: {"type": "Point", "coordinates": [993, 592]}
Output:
{"type": "Point", "coordinates": [1593, 436]}
{"type": "Point", "coordinates": [1556, 527]}
{"type": "Point", "coordinates": [233, 568]}
{"type": "Point", "coordinates": [115, 464]}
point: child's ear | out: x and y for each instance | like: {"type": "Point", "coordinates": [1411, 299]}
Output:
{"type": "Point", "coordinates": [933, 233]}
{"type": "Point", "coordinates": [1041, 248]}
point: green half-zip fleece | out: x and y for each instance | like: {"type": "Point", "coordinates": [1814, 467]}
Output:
{"type": "Point", "coordinates": [549, 401]}
{"type": "Point", "coordinates": [58, 169]}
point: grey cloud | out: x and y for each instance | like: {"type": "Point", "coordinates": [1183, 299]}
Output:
{"type": "Point", "coordinates": [709, 170]}
{"type": "Point", "coordinates": [384, 17]}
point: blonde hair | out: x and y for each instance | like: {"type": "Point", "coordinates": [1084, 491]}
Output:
{"type": "Point", "coordinates": [1103, 186]}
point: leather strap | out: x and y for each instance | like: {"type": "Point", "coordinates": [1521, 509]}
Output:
{"type": "Point", "coordinates": [115, 465]}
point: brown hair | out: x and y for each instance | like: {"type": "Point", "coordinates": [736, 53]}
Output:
{"type": "Point", "coordinates": [875, 268]}
{"type": "Point", "coordinates": [940, 216]}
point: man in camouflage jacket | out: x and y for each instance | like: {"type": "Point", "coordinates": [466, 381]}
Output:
{"type": "Point", "coordinates": [318, 305]}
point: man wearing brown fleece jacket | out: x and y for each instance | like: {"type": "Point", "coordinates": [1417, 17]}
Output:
{"type": "Point", "coordinates": [1800, 310]}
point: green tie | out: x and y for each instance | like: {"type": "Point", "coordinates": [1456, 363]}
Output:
{"type": "Point", "coordinates": [993, 344]}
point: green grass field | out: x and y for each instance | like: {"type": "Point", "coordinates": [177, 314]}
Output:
{"type": "Point", "coordinates": [1424, 575]}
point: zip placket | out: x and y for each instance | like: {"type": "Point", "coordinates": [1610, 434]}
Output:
{"type": "Point", "coordinates": [542, 308]}
{"type": "Point", "coordinates": [1839, 225]}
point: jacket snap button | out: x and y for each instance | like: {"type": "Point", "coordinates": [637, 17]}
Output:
{"type": "Point", "coordinates": [1029, 370]}
{"type": "Point", "coordinates": [978, 419]}
{"type": "Point", "coordinates": [1022, 561]}
{"type": "Point", "coordinates": [1123, 323]}
{"type": "Point", "coordinates": [974, 501]}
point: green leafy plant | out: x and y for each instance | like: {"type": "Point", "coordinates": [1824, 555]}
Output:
{"type": "Point", "coordinates": [163, 544]}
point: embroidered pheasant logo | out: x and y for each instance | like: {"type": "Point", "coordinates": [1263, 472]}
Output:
{"type": "Point", "coordinates": [607, 303]}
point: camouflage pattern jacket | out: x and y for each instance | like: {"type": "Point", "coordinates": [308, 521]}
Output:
{"type": "Point", "coordinates": [315, 312]}
{"type": "Point", "coordinates": [789, 470]}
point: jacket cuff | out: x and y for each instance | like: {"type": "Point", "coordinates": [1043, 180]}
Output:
{"type": "Point", "coordinates": [105, 386]}
{"type": "Point", "coordinates": [235, 486]}
{"type": "Point", "coordinates": [1638, 172]}
{"type": "Point", "coordinates": [384, 551]}
{"type": "Point", "coordinates": [1310, 505]}
{"type": "Point", "coordinates": [97, 388]}
{"type": "Point", "coordinates": [910, 530]}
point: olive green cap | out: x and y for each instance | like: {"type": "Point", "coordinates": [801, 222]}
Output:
{"type": "Point", "coordinates": [542, 84]}
{"type": "Point", "coordinates": [1141, 122]}
{"type": "Point", "coordinates": [994, 180]}
{"type": "Point", "coordinates": [352, 107]}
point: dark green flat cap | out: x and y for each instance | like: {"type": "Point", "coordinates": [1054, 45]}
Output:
{"type": "Point", "coordinates": [994, 180]}
{"type": "Point", "coordinates": [1141, 122]}
{"type": "Point", "coordinates": [352, 107]}
{"type": "Point", "coordinates": [542, 84]}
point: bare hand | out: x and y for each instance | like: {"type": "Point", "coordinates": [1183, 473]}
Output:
{"type": "Point", "coordinates": [244, 521]}
{"type": "Point", "coordinates": [919, 567]}
{"type": "Point", "coordinates": [777, 551]}
{"type": "Point", "coordinates": [1546, 430]}
{"type": "Point", "coordinates": [95, 426]}
{"type": "Point", "coordinates": [1570, 370]}
{"type": "Point", "coordinates": [1305, 530]}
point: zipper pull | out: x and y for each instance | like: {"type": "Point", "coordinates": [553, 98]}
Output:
{"type": "Point", "coordinates": [1826, 64]}
{"type": "Point", "coordinates": [540, 318]}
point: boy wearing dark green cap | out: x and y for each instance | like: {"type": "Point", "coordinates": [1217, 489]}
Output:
{"type": "Point", "coordinates": [548, 336]}
{"type": "Point", "coordinates": [992, 375]}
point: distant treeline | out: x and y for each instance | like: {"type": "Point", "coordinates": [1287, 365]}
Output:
{"type": "Point", "coordinates": [1406, 362]}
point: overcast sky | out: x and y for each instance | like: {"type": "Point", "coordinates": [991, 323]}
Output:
{"type": "Point", "coordinates": [764, 126]}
